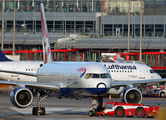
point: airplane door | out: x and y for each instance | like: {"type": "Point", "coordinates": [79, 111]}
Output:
{"type": "Point", "coordinates": [141, 73]}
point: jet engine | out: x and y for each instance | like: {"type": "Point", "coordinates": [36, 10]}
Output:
{"type": "Point", "coordinates": [131, 95]}
{"type": "Point", "coordinates": [21, 97]}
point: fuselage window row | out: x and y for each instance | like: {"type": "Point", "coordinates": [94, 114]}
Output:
{"type": "Point", "coordinates": [30, 69]}
{"type": "Point", "coordinates": [121, 71]}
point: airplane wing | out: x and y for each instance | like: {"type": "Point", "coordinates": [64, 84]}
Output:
{"type": "Point", "coordinates": [138, 83]}
{"type": "Point", "coordinates": [43, 86]}
{"type": "Point", "coordinates": [19, 72]}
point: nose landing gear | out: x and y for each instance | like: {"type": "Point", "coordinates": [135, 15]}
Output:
{"type": "Point", "coordinates": [97, 103]}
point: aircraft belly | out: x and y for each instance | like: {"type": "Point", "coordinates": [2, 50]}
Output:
{"type": "Point", "coordinates": [81, 92]}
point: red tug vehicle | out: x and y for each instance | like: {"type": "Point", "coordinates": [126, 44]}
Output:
{"type": "Point", "coordinates": [128, 109]}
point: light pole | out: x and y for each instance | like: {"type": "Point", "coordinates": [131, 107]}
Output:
{"type": "Point", "coordinates": [14, 27]}
{"type": "Point", "coordinates": [3, 5]}
{"type": "Point", "coordinates": [140, 54]}
{"type": "Point", "coordinates": [128, 48]}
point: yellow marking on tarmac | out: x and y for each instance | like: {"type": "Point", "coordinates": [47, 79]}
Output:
{"type": "Point", "coordinates": [162, 114]}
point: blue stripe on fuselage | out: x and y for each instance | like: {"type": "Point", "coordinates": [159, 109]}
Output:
{"type": "Point", "coordinates": [80, 92]}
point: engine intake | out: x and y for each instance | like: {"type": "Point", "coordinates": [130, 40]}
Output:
{"type": "Point", "coordinates": [131, 95]}
{"type": "Point", "coordinates": [21, 97]}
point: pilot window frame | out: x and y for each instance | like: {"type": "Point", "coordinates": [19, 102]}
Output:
{"type": "Point", "coordinates": [94, 75]}
{"type": "Point", "coordinates": [91, 75]}
{"type": "Point", "coordinates": [88, 75]}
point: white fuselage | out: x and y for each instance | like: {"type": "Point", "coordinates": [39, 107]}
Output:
{"type": "Point", "coordinates": [129, 72]}
{"type": "Point", "coordinates": [23, 66]}
{"type": "Point", "coordinates": [71, 77]}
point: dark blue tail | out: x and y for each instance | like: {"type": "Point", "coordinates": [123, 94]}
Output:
{"type": "Point", "coordinates": [3, 57]}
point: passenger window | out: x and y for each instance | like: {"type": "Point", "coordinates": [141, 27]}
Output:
{"type": "Point", "coordinates": [95, 76]}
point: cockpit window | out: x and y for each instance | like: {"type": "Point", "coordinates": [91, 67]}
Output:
{"type": "Point", "coordinates": [108, 75]}
{"type": "Point", "coordinates": [152, 71]}
{"type": "Point", "coordinates": [103, 76]}
{"type": "Point", "coordinates": [88, 75]}
{"type": "Point", "coordinates": [94, 75]}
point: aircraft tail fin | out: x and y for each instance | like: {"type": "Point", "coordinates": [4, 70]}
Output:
{"type": "Point", "coordinates": [45, 38]}
{"type": "Point", "coordinates": [3, 57]}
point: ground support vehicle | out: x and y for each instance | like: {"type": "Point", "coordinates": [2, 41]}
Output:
{"type": "Point", "coordinates": [158, 93]}
{"type": "Point", "coordinates": [128, 109]}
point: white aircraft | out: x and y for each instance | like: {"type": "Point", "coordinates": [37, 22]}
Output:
{"type": "Point", "coordinates": [121, 72]}
{"type": "Point", "coordinates": [71, 80]}
{"type": "Point", "coordinates": [24, 66]}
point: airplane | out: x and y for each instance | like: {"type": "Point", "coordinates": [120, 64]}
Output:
{"type": "Point", "coordinates": [71, 80]}
{"type": "Point", "coordinates": [24, 66]}
{"type": "Point", "coordinates": [119, 71]}
{"type": "Point", "coordinates": [129, 72]}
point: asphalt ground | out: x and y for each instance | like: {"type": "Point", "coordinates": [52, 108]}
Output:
{"type": "Point", "coordinates": [63, 109]}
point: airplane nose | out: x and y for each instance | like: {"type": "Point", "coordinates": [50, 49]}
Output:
{"type": "Point", "coordinates": [101, 87]}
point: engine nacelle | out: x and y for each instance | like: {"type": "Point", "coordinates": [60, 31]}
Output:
{"type": "Point", "coordinates": [21, 97]}
{"type": "Point", "coordinates": [131, 95]}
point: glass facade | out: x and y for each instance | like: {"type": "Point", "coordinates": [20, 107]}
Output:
{"type": "Point", "coordinates": [147, 30]}
{"type": "Point", "coordinates": [150, 7]}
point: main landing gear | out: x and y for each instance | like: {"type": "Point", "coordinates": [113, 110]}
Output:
{"type": "Point", "coordinates": [97, 103]}
{"type": "Point", "coordinates": [39, 110]}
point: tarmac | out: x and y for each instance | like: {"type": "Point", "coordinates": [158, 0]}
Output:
{"type": "Point", "coordinates": [63, 109]}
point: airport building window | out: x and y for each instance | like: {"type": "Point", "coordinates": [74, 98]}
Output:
{"type": "Point", "coordinates": [50, 26]}
{"type": "Point", "coordinates": [159, 30]}
{"type": "Point", "coordinates": [108, 29]}
{"type": "Point", "coordinates": [149, 29]}
{"type": "Point", "coordinates": [38, 26]}
{"type": "Point", "coordinates": [29, 25]}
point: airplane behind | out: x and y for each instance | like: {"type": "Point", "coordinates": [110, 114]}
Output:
{"type": "Point", "coordinates": [71, 80]}
{"type": "Point", "coordinates": [24, 66]}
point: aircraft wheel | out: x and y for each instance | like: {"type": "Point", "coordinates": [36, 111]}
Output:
{"type": "Point", "coordinates": [35, 111]}
{"type": "Point", "coordinates": [120, 112]}
{"type": "Point", "coordinates": [43, 111]}
{"type": "Point", "coordinates": [162, 94]}
{"type": "Point", "coordinates": [140, 113]}
{"type": "Point", "coordinates": [90, 113]}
